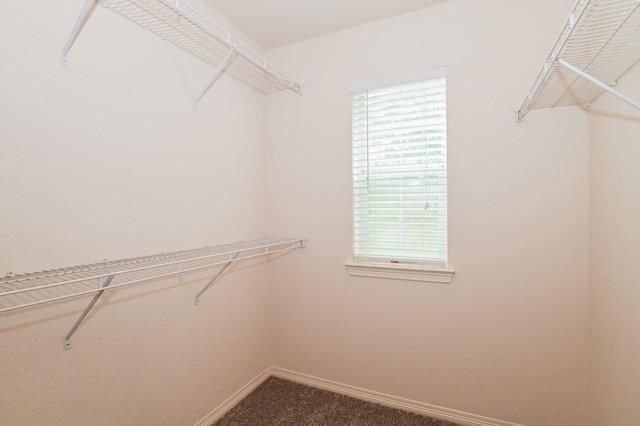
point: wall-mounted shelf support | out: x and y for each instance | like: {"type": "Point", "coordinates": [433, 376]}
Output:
{"type": "Point", "coordinates": [177, 22]}
{"type": "Point", "coordinates": [196, 300]}
{"type": "Point", "coordinates": [28, 290]}
{"type": "Point", "coordinates": [600, 84]}
{"type": "Point", "coordinates": [598, 44]}
{"type": "Point", "coordinates": [82, 19]}
{"type": "Point", "coordinates": [216, 74]}
{"type": "Point", "coordinates": [102, 285]}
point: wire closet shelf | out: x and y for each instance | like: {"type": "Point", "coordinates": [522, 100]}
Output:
{"type": "Point", "coordinates": [23, 291]}
{"type": "Point", "coordinates": [177, 22]}
{"type": "Point", "coordinates": [598, 44]}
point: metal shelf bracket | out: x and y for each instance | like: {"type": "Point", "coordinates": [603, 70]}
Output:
{"type": "Point", "coordinates": [196, 300]}
{"type": "Point", "coordinates": [216, 73]}
{"type": "Point", "coordinates": [102, 285]}
{"type": "Point", "coordinates": [600, 84]}
{"type": "Point", "coordinates": [89, 6]}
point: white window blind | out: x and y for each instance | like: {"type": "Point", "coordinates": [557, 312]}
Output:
{"type": "Point", "coordinates": [400, 173]}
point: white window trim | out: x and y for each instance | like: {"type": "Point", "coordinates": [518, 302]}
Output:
{"type": "Point", "coordinates": [401, 271]}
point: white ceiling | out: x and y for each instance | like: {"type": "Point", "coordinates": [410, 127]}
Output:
{"type": "Point", "coordinates": [274, 23]}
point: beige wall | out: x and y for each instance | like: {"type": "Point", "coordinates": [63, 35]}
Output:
{"type": "Point", "coordinates": [105, 158]}
{"type": "Point", "coordinates": [614, 153]}
{"type": "Point", "coordinates": [508, 338]}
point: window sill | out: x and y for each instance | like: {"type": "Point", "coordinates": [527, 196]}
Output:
{"type": "Point", "coordinates": [401, 272]}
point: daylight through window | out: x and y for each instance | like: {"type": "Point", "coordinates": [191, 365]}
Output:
{"type": "Point", "coordinates": [400, 172]}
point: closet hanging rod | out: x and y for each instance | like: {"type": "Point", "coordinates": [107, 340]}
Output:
{"type": "Point", "coordinates": [177, 22]}
{"type": "Point", "coordinates": [598, 44]}
{"type": "Point", "coordinates": [23, 291]}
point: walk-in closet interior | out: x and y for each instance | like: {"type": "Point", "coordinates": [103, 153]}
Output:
{"type": "Point", "coordinates": [180, 208]}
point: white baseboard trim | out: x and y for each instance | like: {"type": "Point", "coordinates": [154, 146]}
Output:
{"type": "Point", "coordinates": [455, 416]}
{"type": "Point", "coordinates": [234, 399]}
{"type": "Point", "coordinates": [429, 410]}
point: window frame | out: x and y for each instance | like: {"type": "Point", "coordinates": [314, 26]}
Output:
{"type": "Point", "coordinates": [386, 267]}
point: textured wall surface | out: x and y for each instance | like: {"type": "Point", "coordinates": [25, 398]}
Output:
{"type": "Point", "coordinates": [106, 158]}
{"type": "Point", "coordinates": [508, 338]}
{"type": "Point", "coordinates": [614, 149]}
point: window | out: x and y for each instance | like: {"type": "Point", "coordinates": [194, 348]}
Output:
{"type": "Point", "coordinates": [400, 173]}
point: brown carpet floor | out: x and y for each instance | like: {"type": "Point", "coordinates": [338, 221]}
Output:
{"type": "Point", "coordinates": [281, 402]}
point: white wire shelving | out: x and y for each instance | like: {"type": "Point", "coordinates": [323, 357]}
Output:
{"type": "Point", "coordinates": [177, 22]}
{"type": "Point", "coordinates": [598, 44]}
{"type": "Point", "coordinates": [27, 290]}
